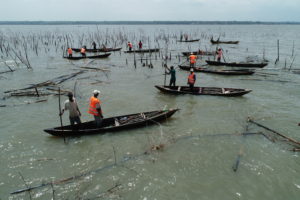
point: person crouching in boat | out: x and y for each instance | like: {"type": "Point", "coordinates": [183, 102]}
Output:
{"type": "Point", "coordinates": [70, 52]}
{"type": "Point", "coordinates": [74, 112]}
{"type": "Point", "coordinates": [191, 79]}
{"type": "Point", "coordinates": [219, 54]}
{"type": "Point", "coordinates": [129, 46]}
{"type": "Point", "coordinates": [82, 51]}
{"type": "Point", "coordinates": [95, 108]}
{"type": "Point", "coordinates": [193, 59]}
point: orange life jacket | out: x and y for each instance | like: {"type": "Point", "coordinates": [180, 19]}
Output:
{"type": "Point", "coordinates": [130, 45]}
{"type": "Point", "coordinates": [193, 59]}
{"type": "Point", "coordinates": [70, 51]}
{"type": "Point", "coordinates": [191, 78]}
{"type": "Point", "coordinates": [82, 50]}
{"type": "Point", "coordinates": [93, 103]}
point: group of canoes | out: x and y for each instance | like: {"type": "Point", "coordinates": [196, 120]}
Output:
{"type": "Point", "coordinates": [83, 50]}
{"type": "Point", "coordinates": [101, 125]}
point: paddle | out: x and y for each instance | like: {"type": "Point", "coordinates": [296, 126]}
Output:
{"type": "Point", "coordinates": [223, 55]}
{"type": "Point", "coordinates": [165, 75]}
{"type": "Point", "coordinates": [237, 161]}
{"type": "Point", "coordinates": [59, 107]}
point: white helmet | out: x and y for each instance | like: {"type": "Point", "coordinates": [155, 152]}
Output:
{"type": "Point", "coordinates": [192, 69]}
{"type": "Point", "coordinates": [96, 92]}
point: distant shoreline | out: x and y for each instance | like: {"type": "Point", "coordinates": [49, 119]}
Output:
{"type": "Point", "coordinates": [145, 23]}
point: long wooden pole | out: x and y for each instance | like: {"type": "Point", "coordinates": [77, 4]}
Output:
{"type": "Point", "coordinates": [278, 50]}
{"type": "Point", "coordinates": [60, 117]}
{"type": "Point", "coordinates": [59, 107]}
{"type": "Point", "coordinates": [289, 139]}
{"type": "Point", "coordinates": [237, 161]}
{"type": "Point", "coordinates": [165, 76]}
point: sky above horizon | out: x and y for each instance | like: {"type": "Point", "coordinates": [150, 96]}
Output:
{"type": "Point", "coordinates": [150, 10]}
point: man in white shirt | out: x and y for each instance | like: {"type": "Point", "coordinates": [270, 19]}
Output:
{"type": "Point", "coordinates": [74, 112]}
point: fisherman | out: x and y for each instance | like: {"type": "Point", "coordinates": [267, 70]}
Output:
{"type": "Point", "coordinates": [74, 112]}
{"type": "Point", "coordinates": [82, 51]}
{"type": "Point", "coordinates": [191, 79]}
{"type": "Point", "coordinates": [193, 59]}
{"type": "Point", "coordinates": [186, 37]}
{"type": "Point", "coordinates": [70, 52]}
{"type": "Point", "coordinates": [173, 75]}
{"type": "Point", "coordinates": [129, 46]}
{"type": "Point", "coordinates": [94, 45]}
{"type": "Point", "coordinates": [95, 108]}
{"type": "Point", "coordinates": [219, 54]}
{"type": "Point", "coordinates": [140, 45]}
{"type": "Point", "coordinates": [104, 47]}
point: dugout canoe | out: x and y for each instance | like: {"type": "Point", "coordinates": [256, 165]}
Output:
{"type": "Point", "coordinates": [222, 42]}
{"type": "Point", "coordinates": [203, 53]}
{"type": "Point", "coordinates": [89, 57]}
{"type": "Point", "coordinates": [219, 71]}
{"type": "Point", "coordinates": [195, 40]}
{"type": "Point", "coordinates": [113, 124]}
{"type": "Point", "coordinates": [98, 50]}
{"type": "Point", "coordinates": [215, 91]}
{"type": "Point", "coordinates": [237, 64]}
{"type": "Point", "coordinates": [142, 51]}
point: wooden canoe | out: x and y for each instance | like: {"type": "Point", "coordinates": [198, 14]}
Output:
{"type": "Point", "coordinates": [220, 71]}
{"type": "Point", "coordinates": [195, 40]}
{"type": "Point", "coordinates": [97, 50]}
{"type": "Point", "coordinates": [237, 64]}
{"type": "Point", "coordinates": [222, 42]}
{"type": "Point", "coordinates": [215, 91]}
{"type": "Point", "coordinates": [204, 53]}
{"type": "Point", "coordinates": [90, 57]}
{"type": "Point", "coordinates": [142, 51]}
{"type": "Point", "coordinates": [112, 124]}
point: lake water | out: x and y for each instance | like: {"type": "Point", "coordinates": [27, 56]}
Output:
{"type": "Point", "coordinates": [196, 162]}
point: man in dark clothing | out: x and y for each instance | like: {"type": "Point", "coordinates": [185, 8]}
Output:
{"type": "Point", "coordinates": [172, 72]}
{"type": "Point", "coordinates": [94, 45]}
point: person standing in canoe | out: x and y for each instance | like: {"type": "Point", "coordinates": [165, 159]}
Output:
{"type": "Point", "coordinates": [95, 108]}
{"type": "Point", "coordinates": [219, 54]}
{"type": "Point", "coordinates": [82, 51]}
{"type": "Point", "coordinates": [129, 46]}
{"type": "Point", "coordinates": [193, 59]}
{"type": "Point", "coordinates": [173, 75]}
{"type": "Point", "coordinates": [94, 45]}
{"type": "Point", "coordinates": [140, 45]}
{"type": "Point", "coordinates": [186, 37]}
{"type": "Point", "coordinates": [70, 52]}
{"type": "Point", "coordinates": [191, 79]}
{"type": "Point", "coordinates": [74, 112]}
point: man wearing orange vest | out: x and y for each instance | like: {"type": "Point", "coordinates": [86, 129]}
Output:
{"type": "Point", "coordinates": [70, 52]}
{"type": "Point", "coordinates": [193, 59]}
{"type": "Point", "coordinates": [82, 51]}
{"type": "Point", "coordinates": [95, 108]}
{"type": "Point", "coordinates": [192, 79]}
{"type": "Point", "coordinates": [129, 46]}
